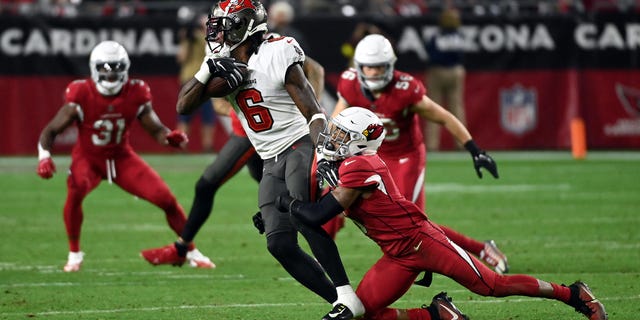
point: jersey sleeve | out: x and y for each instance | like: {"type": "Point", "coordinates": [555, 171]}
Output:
{"type": "Point", "coordinates": [288, 54]}
{"type": "Point", "coordinates": [143, 91]}
{"type": "Point", "coordinates": [416, 91]}
{"type": "Point", "coordinates": [356, 173]}
{"type": "Point", "coordinates": [75, 92]}
{"type": "Point", "coordinates": [346, 85]}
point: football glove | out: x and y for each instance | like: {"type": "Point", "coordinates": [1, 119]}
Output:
{"type": "Point", "coordinates": [481, 159]}
{"type": "Point", "coordinates": [284, 201]}
{"type": "Point", "coordinates": [177, 139]}
{"type": "Point", "coordinates": [228, 69]}
{"type": "Point", "coordinates": [46, 168]}
{"type": "Point", "coordinates": [328, 170]}
{"type": "Point", "coordinates": [258, 222]}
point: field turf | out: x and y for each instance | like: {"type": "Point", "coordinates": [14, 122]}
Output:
{"type": "Point", "coordinates": [556, 218]}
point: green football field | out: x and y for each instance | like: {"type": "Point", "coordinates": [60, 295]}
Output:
{"type": "Point", "coordinates": [556, 218]}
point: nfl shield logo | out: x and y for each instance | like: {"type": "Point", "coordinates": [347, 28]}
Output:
{"type": "Point", "coordinates": [518, 109]}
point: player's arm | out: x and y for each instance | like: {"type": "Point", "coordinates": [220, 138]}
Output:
{"type": "Point", "coordinates": [192, 94]}
{"type": "Point", "coordinates": [340, 106]}
{"type": "Point", "coordinates": [430, 110]}
{"type": "Point", "coordinates": [318, 213]}
{"type": "Point", "coordinates": [62, 120]}
{"type": "Point", "coordinates": [190, 97]}
{"type": "Point", "coordinates": [302, 95]}
{"type": "Point", "coordinates": [314, 72]}
{"type": "Point", "coordinates": [152, 124]}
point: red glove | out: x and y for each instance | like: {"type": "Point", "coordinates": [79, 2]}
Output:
{"type": "Point", "coordinates": [177, 139]}
{"type": "Point", "coordinates": [46, 168]}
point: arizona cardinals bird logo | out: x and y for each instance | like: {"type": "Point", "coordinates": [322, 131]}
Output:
{"type": "Point", "coordinates": [373, 131]}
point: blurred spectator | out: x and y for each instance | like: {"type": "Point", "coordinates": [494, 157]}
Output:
{"type": "Point", "coordinates": [445, 72]}
{"type": "Point", "coordinates": [410, 8]}
{"type": "Point", "coordinates": [279, 20]}
{"type": "Point", "coordinates": [191, 53]}
{"type": "Point", "coordinates": [361, 30]}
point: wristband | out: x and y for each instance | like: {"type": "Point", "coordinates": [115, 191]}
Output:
{"type": "Point", "coordinates": [42, 153]}
{"type": "Point", "coordinates": [203, 74]}
{"type": "Point", "coordinates": [472, 148]}
{"type": "Point", "coordinates": [317, 116]}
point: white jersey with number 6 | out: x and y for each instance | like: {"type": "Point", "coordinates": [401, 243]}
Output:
{"type": "Point", "coordinates": [269, 116]}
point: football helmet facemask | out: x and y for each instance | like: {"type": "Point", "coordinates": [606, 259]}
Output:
{"type": "Point", "coordinates": [237, 20]}
{"type": "Point", "coordinates": [374, 50]}
{"type": "Point", "coordinates": [353, 131]}
{"type": "Point", "coordinates": [109, 64]}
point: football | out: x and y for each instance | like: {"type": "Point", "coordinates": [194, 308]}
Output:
{"type": "Point", "coordinates": [218, 87]}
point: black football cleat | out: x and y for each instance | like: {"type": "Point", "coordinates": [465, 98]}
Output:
{"type": "Point", "coordinates": [340, 312]}
{"type": "Point", "coordinates": [583, 300]}
{"type": "Point", "coordinates": [442, 308]}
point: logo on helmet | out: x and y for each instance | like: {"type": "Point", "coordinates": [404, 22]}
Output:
{"type": "Point", "coordinates": [373, 131]}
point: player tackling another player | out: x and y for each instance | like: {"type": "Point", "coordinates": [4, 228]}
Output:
{"type": "Point", "coordinates": [400, 101]}
{"type": "Point", "coordinates": [279, 112]}
{"type": "Point", "coordinates": [103, 108]}
{"type": "Point", "coordinates": [411, 243]}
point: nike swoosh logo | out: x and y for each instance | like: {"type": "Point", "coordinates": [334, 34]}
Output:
{"type": "Point", "coordinates": [333, 315]}
{"type": "Point", "coordinates": [455, 316]}
{"type": "Point", "coordinates": [289, 41]}
{"type": "Point", "coordinates": [346, 163]}
{"type": "Point", "coordinates": [417, 247]}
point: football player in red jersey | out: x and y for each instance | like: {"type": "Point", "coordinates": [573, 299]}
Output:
{"type": "Point", "coordinates": [410, 242]}
{"type": "Point", "coordinates": [400, 100]}
{"type": "Point", "coordinates": [104, 108]}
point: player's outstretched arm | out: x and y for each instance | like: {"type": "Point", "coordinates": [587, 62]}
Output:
{"type": "Point", "coordinates": [152, 124]}
{"type": "Point", "coordinates": [302, 95]}
{"type": "Point", "coordinates": [62, 120]}
{"type": "Point", "coordinates": [318, 213]}
{"type": "Point", "coordinates": [431, 111]}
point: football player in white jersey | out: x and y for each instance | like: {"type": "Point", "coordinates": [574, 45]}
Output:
{"type": "Point", "coordinates": [281, 116]}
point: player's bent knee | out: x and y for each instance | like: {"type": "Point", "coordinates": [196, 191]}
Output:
{"type": "Point", "coordinates": [205, 187]}
{"type": "Point", "coordinates": [281, 246]}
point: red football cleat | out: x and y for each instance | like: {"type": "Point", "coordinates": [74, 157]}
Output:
{"type": "Point", "coordinates": [163, 255]}
{"type": "Point", "coordinates": [442, 308]}
{"type": "Point", "coordinates": [583, 300]}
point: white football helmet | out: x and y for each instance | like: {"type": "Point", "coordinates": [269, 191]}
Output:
{"type": "Point", "coordinates": [109, 64]}
{"type": "Point", "coordinates": [237, 20]}
{"type": "Point", "coordinates": [374, 50]}
{"type": "Point", "coordinates": [353, 131]}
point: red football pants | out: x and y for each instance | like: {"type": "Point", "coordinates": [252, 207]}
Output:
{"type": "Point", "coordinates": [132, 174]}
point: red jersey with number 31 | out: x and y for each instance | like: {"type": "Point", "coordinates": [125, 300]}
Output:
{"type": "Point", "coordinates": [386, 217]}
{"type": "Point", "coordinates": [103, 128]}
{"type": "Point", "coordinates": [392, 107]}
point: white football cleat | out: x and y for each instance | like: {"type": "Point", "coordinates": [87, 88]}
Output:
{"type": "Point", "coordinates": [198, 260]}
{"type": "Point", "coordinates": [494, 257]}
{"type": "Point", "coordinates": [74, 262]}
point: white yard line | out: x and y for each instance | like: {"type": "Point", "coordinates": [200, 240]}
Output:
{"type": "Point", "coordinates": [274, 305]}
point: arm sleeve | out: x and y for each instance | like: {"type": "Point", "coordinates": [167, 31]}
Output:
{"type": "Point", "coordinates": [316, 213]}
